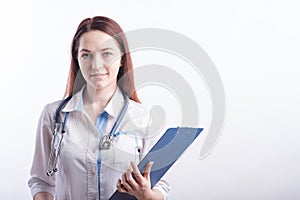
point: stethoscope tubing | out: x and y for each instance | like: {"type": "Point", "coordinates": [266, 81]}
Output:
{"type": "Point", "coordinates": [53, 158]}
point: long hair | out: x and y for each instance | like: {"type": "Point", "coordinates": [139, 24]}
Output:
{"type": "Point", "coordinates": [125, 77]}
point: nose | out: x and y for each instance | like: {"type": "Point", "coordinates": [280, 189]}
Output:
{"type": "Point", "coordinates": [97, 61]}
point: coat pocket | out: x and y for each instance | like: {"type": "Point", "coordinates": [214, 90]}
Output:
{"type": "Point", "coordinates": [127, 147]}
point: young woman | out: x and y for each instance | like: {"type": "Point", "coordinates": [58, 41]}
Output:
{"type": "Point", "coordinates": [101, 131]}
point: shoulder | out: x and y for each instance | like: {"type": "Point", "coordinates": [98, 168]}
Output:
{"type": "Point", "coordinates": [137, 117]}
{"type": "Point", "coordinates": [53, 106]}
{"type": "Point", "coordinates": [138, 110]}
{"type": "Point", "coordinates": [150, 120]}
{"type": "Point", "coordinates": [49, 110]}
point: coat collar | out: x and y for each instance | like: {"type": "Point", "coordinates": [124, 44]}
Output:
{"type": "Point", "coordinates": [113, 108]}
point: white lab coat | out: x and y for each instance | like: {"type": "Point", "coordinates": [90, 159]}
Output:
{"type": "Point", "coordinates": [77, 176]}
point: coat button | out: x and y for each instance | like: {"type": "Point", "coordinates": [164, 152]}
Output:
{"type": "Point", "coordinates": [92, 197]}
{"type": "Point", "coordinates": [94, 170]}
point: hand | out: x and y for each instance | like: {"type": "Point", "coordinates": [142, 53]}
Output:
{"type": "Point", "coordinates": [141, 187]}
{"type": "Point", "coordinates": [43, 196]}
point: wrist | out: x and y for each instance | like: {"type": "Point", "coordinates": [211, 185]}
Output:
{"type": "Point", "coordinates": [153, 194]}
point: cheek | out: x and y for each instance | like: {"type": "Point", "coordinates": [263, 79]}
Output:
{"type": "Point", "coordinates": [80, 65]}
{"type": "Point", "coordinates": [84, 71]}
{"type": "Point", "coordinates": [115, 66]}
{"type": "Point", "coordinates": [114, 71]}
{"type": "Point", "coordinates": [83, 67]}
{"type": "Point", "coordinates": [115, 62]}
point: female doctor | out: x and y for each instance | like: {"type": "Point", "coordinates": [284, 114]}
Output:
{"type": "Point", "coordinates": [89, 147]}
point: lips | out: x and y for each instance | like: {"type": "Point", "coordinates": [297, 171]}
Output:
{"type": "Point", "coordinates": [100, 75]}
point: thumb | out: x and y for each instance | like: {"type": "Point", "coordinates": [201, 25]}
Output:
{"type": "Point", "coordinates": [148, 170]}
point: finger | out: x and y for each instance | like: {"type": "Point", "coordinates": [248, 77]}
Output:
{"type": "Point", "coordinates": [130, 180]}
{"type": "Point", "coordinates": [134, 167]}
{"type": "Point", "coordinates": [121, 187]}
{"type": "Point", "coordinates": [136, 171]}
{"type": "Point", "coordinates": [148, 170]}
{"type": "Point", "coordinates": [125, 183]}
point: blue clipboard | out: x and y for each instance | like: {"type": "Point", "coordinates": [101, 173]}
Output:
{"type": "Point", "coordinates": [164, 154]}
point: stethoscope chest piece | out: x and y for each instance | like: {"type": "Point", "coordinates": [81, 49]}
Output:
{"type": "Point", "coordinates": [106, 143]}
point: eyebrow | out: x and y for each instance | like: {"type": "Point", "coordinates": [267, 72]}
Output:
{"type": "Point", "coordinates": [104, 49]}
{"type": "Point", "coordinates": [107, 48]}
{"type": "Point", "coordinates": [85, 50]}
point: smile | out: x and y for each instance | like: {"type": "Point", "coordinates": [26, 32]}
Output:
{"type": "Point", "coordinates": [96, 75]}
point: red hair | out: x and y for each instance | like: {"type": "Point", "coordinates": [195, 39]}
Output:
{"type": "Point", "coordinates": [125, 77]}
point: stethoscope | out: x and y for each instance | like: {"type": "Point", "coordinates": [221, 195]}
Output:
{"type": "Point", "coordinates": [106, 142]}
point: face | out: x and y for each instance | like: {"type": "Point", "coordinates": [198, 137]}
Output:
{"type": "Point", "coordinates": [99, 59]}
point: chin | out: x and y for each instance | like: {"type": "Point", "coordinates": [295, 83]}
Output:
{"type": "Point", "coordinates": [101, 85]}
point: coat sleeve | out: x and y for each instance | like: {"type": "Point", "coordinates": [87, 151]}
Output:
{"type": "Point", "coordinates": [39, 181]}
{"type": "Point", "coordinates": [153, 136]}
{"type": "Point", "coordinates": [162, 185]}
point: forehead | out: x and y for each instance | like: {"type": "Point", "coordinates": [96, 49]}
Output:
{"type": "Point", "coordinates": [96, 39]}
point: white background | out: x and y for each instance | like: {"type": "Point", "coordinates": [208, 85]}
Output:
{"type": "Point", "coordinates": [254, 45]}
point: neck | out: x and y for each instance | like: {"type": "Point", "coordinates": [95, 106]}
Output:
{"type": "Point", "coordinates": [98, 96]}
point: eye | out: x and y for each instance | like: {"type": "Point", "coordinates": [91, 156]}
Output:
{"type": "Point", "coordinates": [85, 55]}
{"type": "Point", "coordinates": [107, 54]}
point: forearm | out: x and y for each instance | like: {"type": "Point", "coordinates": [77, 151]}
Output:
{"type": "Point", "coordinates": [43, 196]}
{"type": "Point", "coordinates": [155, 195]}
